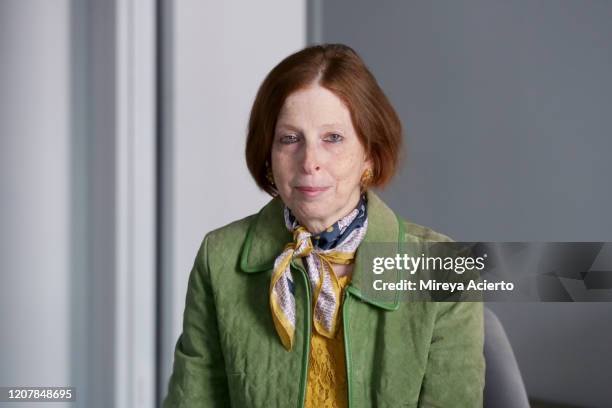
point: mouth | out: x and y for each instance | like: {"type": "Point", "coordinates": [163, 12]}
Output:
{"type": "Point", "coordinates": [310, 191]}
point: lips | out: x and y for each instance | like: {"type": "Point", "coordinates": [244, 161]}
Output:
{"type": "Point", "coordinates": [311, 191]}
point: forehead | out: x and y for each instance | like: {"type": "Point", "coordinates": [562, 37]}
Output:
{"type": "Point", "coordinates": [314, 104]}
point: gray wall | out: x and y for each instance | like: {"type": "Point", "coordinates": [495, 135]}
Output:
{"type": "Point", "coordinates": [35, 189]}
{"type": "Point", "coordinates": [506, 107]}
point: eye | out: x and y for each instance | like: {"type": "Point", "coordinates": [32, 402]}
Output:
{"type": "Point", "coordinates": [333, 138]}
{"type": "Point", "coordinates": [289, 139]}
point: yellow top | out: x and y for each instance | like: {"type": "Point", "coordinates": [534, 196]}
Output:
{"type": "Point", "coordinates": [326, 386]}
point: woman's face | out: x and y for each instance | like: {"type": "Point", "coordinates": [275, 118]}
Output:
{"type": "Point", "coordinates": [317, 159]}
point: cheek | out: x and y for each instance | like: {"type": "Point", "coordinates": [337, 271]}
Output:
{"type": "Point", "coordinates": [349, 182]}
{"type": "Point", "coordinates": [283, 167]}
{"type": "Point", "coordinates": [347, 168]}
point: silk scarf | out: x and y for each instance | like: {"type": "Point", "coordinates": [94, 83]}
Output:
{"type": "Point", "coordinates": [336, 245]}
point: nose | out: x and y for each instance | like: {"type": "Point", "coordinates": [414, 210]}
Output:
{"type": "Point", "coordinates": [311, 159]}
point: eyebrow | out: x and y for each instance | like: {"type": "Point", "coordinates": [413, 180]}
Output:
{"type": "Point", "coordinates": [333, 125]}
{"type": "Point", "coordinates": [287, 126]}
{"type": "Point", "coordinates": [326, 125]}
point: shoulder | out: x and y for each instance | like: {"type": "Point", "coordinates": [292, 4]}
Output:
{"type": "Point", "coordinates": [231, 234]}
{"type": "Point", "coordinates": [415, 232]}
{"type": "Point", "coordinates": [226, 241]}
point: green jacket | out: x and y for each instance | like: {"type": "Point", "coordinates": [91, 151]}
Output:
{"type": "Point", "coordinates": [424, 354]}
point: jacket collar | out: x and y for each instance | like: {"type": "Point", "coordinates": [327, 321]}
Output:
{"type": "Point", "coordinates": [267, 236]}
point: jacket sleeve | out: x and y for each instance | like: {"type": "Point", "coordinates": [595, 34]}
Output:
{"type": "Point", "coordinates": [198, 376]}
{"type": "Point", "coordinates": [455, 366]}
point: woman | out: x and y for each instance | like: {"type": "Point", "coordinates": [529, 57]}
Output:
{"type": "Point", "coordinates": [276, 312]}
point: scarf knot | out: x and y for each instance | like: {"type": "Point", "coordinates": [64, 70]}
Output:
{"type": "Point", "coordinates": [302, 244]}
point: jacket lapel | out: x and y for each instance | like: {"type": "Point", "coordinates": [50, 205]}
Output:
{"type": "Point", "coordinates": [383, 227]}
{"type": "Point", "coordinates": [267, 236]}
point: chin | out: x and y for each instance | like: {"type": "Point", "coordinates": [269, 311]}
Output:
{"type": "Point", "coordinates": [311, 209]}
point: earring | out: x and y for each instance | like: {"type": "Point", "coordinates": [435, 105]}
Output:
{"type": "Point", "coordinates": [366, 179]}
{"type": "Point", "coordinates": [269, 175]}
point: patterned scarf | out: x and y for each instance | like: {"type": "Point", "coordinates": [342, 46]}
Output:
{"type": "Point", "coordinates": [336, 245]}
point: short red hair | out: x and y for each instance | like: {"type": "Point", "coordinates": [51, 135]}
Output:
{"type": "Point", "coordinates": [338, 68]}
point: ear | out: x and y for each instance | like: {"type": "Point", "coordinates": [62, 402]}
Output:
{"type": "Point", "coordinates": [368, 164]}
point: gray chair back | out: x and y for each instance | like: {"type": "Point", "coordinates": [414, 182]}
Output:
{"type": "Point", "coordinates": [504, 387]}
